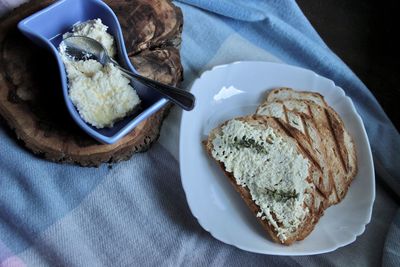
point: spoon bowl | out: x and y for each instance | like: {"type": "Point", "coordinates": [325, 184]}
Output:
{"type": "Point", "coordinates": [63, 15]}
{"type": "Point", "coordinates": [84, 48]}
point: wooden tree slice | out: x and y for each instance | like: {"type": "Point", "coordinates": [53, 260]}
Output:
{"type": "Point", "coordinates": [31, 98]}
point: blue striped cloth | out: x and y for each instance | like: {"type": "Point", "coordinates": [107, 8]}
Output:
{"type": "Point", "coordinates": [136, 212]}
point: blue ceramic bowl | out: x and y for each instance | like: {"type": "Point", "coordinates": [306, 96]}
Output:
{"type": "Point", "coordinates": [46, 28]}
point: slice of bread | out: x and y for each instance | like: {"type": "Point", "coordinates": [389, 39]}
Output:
{"type": "Point", "coordinates": [271, 172]}
{"type": "Point", "coordinates": [344, 140]}
{"type": "Point", "coordinates": [336, 142]}
{"type": "Point", "coordinates": [285, 93]}
{"type": "Point", "coordinates": [345, 144]}
{"type": "Point", "coordinates": [300, 123]}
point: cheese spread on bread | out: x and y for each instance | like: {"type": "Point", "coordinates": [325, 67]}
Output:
{"type": "Point", "coordinates": [273, 170]}
{"type": "Point", "coordinates": [101, 94]}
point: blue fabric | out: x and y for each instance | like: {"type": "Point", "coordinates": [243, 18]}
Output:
{"type": "Point", "coordinates": [52, 214]}
{"type": "Point", "coordinates": [35, 193]}
{"type": "Point", "coordinates": [391, 254]}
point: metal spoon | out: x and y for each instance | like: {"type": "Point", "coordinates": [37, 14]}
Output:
{"type": "Point", "coordinates": [84, 48]}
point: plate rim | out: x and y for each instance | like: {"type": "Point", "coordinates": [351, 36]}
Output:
{"type": "Point", "coordinates": [342, 93]}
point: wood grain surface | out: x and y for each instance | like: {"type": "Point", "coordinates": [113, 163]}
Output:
{"type": "Point", "coordinates": [30, 89]}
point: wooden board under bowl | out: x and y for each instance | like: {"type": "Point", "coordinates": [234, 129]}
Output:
{"type": "Point", "coordinates": [31, 98]}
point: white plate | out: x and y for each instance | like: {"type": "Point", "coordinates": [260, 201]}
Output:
{"type": "Point", "coordinates": [235, 90]}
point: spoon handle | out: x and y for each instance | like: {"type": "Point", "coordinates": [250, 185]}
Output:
{"type": "Point", "coordinates": [178, 96]}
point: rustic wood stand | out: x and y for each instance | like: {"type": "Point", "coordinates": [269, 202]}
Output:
{"type": "Point", "coordinates": [30, 90]}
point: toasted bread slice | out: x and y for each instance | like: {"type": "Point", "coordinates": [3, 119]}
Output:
{"type": "Point", "coordinates": [344, 140]}
{"type": "Point", "coordinates": [285, 93]}
{"type": "Point", "coordinates": [340, 143]}
{"type": "Point", "coordinates": [253, 164]}
{"type": "Point", "coordinates": [296, 115]}
{"type": "Point", "coordinates": [345, 144]}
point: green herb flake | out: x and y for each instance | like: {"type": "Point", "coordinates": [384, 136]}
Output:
{"type": "Point", "coordinates": [249, 143]}
{"type": "Point", "coordinates": [282, 196]}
